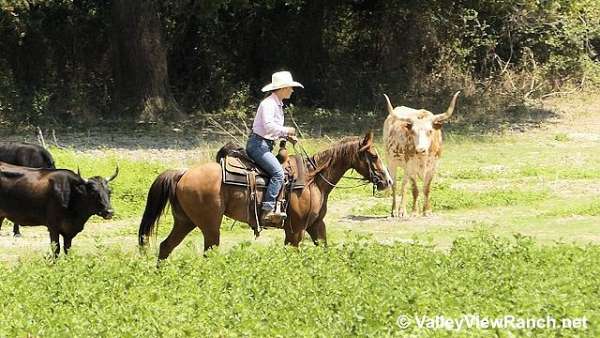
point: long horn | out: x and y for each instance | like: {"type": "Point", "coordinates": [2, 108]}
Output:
{"type": "Point", "coordinates": [444, 116]}
{"type": "Point", "coordinates": [390, 109]}
{"type": "Point", "coordinates": [114, 175]}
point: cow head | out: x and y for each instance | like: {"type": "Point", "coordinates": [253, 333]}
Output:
{"type": "Point", "coordinates": [370, 165]}
{"type": "Point", "coordinates": [421, 123]}
{"type": "Point", "coordinates": [98, 194]}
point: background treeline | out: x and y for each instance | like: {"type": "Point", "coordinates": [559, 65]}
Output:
{"type": "Point", "coordinates": [84, 60]}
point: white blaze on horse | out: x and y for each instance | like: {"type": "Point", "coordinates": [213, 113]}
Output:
{"type": "Point", "coordinates": [413, 141]}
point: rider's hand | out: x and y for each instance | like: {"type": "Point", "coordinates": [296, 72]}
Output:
{"type": "Point", "coordinates": [292, 139]}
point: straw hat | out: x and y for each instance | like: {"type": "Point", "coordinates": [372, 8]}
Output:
{"type": "Point", "coordinates": [281, 80]}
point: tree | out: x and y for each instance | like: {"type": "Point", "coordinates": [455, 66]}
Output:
{"type": "Point", "coordinates": [141, 84]}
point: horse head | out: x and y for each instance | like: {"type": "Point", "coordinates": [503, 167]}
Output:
{"type": "Point", "coordinates": [369, 164]}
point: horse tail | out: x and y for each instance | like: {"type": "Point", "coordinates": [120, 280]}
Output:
{"type": "Point", "coordinates": [161, 192]}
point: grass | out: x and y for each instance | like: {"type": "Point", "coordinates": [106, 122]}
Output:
{"type": "Point", "coordinates": [514, 232]}
{"type": "Point", "coordinates": [447, 198]}
{"type": "Point", "coordinates": [585, 208]}
{"type": "Point", "coordinates": [355, 288]}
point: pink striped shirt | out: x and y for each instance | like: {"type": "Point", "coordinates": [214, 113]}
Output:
{"type": "Point", "coordinates": [268, 122]}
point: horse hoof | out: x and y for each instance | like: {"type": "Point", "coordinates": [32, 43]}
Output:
{"type": "Point", "coordinates": [17, 236]}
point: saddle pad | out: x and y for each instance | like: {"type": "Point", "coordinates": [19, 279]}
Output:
{"type": "Point", "coordinates": [242, 180]}
{"type": "Point", "coordinates": [235, 171]}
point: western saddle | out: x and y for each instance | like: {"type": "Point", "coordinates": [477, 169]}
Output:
{"type": "Point", "coordinates": [240, 170]}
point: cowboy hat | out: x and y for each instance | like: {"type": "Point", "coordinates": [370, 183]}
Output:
{"type": "Point", "coordinates": [281, 80]}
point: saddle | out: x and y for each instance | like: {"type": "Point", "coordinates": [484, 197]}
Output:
{"type": "Point", "coordinates": [240, 170]}
{"type": "Point", "coordinates": [237, 171]}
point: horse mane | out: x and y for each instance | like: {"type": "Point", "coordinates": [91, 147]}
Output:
{"type": "Point", "coordinates": [346, 149]}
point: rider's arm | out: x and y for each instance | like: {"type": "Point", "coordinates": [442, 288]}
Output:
{"type": "Point", "coordinates": [271, 117]}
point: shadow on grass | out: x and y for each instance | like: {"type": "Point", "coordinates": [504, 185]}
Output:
{"type": "Point", "coordinates": [360, 218]}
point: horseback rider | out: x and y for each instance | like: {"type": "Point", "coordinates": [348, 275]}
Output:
{"type": "Point", "coordinates": [266, 129]}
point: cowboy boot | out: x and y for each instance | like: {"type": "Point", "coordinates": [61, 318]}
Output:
{"type": "Point", "coordinates": [272, 218]}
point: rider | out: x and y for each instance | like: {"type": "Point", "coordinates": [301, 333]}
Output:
{"type": "Point", "coordinates": [266, 129]}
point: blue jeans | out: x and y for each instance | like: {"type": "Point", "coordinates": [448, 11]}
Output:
{"type": "Point", "coordinates": [259, 149]}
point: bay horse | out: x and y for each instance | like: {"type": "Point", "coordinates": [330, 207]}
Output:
{"type": "Point", "coordinates": [198, 197]}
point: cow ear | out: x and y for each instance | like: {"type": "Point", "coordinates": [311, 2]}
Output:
{"type": "Point", "coordinates": [62, 191]}
{"type": "Point", "coordinates": [438, 125]}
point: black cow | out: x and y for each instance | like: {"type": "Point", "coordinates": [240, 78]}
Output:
{"type": "Point", "coordinates": [57, 198]}
{"type": "Point", "coordinates": [26, 155]}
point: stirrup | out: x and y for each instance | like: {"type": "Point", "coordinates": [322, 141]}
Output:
{"type": "Point", "coordinates": [272, 218]}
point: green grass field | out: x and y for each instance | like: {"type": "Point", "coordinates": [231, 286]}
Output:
{"type": "Point", "coordinates": [358, 288]}
{"type": "Point", "coordinates": [515, 231]}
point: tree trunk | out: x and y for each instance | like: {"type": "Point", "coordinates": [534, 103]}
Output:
{"type": "Point", "coordinates": [141, 89]}
{"type": "Point", "coordinates": [311, 54]}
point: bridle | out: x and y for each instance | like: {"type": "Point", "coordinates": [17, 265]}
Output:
{"type": "Point", "coordinates": [373, 178]}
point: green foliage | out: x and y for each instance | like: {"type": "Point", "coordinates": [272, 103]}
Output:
{"type": "Point", "coordinates": [447, 198]}
{"type": "Point", "coordinates": [583, 209]}
{"type": "Point", "coordinates": [358, 288]}
{"type": "Point", "coordinates": [220, 53]}
{"type": "Point", "coordinates": [556, 172]}
{"type": "Point", "coordinates": [444, 197]}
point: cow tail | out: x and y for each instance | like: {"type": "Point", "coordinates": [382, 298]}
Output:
{"type": "Point", "coordinates": [161, 192]}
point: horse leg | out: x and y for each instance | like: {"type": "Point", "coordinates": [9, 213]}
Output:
{"type": "Point", "coordinates": [212, 237]}
{"type": "Point", "coordinates": [415, 195]}
{"type": "Point", "coordinates": [16, 232]}
{"type": "Point", "coordinates": [181, 228]}
{"type": "Point", "coordinates": [317, 232]}
{"type": "Point", "coordinates": [293, 238]}
{"type": "Point", "coordinates": [211, 230]}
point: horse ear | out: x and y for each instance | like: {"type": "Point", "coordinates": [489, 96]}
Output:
{"type": "Point", "coordinates": [367, 141]}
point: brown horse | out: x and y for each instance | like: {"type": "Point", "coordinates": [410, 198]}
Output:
{"type": "Point", "coordinates": [199, 198]}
